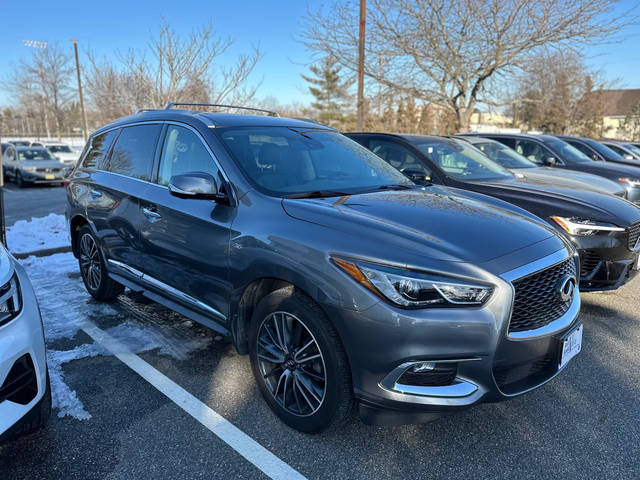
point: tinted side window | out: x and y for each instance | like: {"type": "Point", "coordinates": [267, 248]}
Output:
{"type": "Point", "coordinates": [532, 150]}
{"type": "Point", "coordinates": [397, 156]}
{"type": "Point", "coordinates": [134, 150]}
{"type": "Point", "coordinates": [583, 148]}
{"type": "Point", "coordinates": [98, 148]}
{"type": "Point", "coordinates": [184, 152]}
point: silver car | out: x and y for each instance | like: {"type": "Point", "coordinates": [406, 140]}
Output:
{"type": "Point", "coordinates": [31, 165]}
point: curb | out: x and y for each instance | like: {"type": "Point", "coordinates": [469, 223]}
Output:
{"type": "Point", "coordinates": [42, 253]}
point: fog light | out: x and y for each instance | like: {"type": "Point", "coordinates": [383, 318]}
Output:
{"type": "Point", "coordinates": [423, 367]}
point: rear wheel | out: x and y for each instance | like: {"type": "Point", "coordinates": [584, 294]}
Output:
{"type": "Point", "coordinates": [93, 270]}
{"type": "Point", "coordinates": [299, 362]}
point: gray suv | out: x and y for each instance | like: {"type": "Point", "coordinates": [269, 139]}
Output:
{"type": "Point", "coordinates": [346, 283]}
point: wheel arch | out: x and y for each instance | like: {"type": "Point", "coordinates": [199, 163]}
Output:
{"type": "Point", "coordinates": [75, 224]}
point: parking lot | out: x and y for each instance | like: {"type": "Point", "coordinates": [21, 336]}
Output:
{"type": "Point", "coordinates": [35, 201]}
{"type": "Point", "coordinates": [113, 421]}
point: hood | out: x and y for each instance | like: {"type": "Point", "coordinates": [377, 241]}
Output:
{"type": "Point", "coordinates": [611, 169]}
{"type": "Point", "coordinates": [67, 157]}
{"type": "Point", "coordinates": [432, 222]}
{"type": "Point", "coordinates": [588, 180]}
{"type": "Point", "coordinates": [544, 196]}
{"type": "Point", "coordinates": [43, 164]}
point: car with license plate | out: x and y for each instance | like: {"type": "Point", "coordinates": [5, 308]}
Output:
{"type": "Point", "coordinates": [33, 165]}
{"type": "Point", "coordinates": [347, 284]}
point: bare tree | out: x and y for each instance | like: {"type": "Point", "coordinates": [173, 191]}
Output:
{"type": "Point", "coordinates": [43, 82]}
{"type": "Point", "coordinates": [452, 52]}
{"type": "Point", "coordinates": [171, 69]}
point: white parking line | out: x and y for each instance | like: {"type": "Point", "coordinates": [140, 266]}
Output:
{"type": "Point", "coordinates": [262, 458]}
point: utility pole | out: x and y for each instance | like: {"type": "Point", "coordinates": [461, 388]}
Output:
{"type": "Point", "coordinates": [363, 17]}
{"type": "Point", "coordinates": [85, 128]}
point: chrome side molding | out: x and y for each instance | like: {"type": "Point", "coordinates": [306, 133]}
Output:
{"type": "Point", "coordinates": [174, 292]}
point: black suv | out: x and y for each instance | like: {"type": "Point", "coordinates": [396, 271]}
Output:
{"type": "Point", "coordinates": [549, 150]}
{"type": "Point", "coordinates": [343, 280]}
{"type": "Point", "coordinates": [604, 228]}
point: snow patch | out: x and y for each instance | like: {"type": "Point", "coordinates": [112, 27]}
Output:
{"type": "Point", "coordinates": [65, 307]}
{"type": "Point", "coordinates": [38, 234]}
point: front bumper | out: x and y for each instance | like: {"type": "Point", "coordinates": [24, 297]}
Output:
{"type": "Point", "coordinates": [43, 177]}
{"type": "Point", "coordinates": [606, 262]}
{"type": "Point", "coordinates": [491, 364]}
{"type": "Point", "coordinates": [23, 336]}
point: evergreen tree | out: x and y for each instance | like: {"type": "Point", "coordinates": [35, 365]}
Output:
{"type": "Point", "coordinates": [330, 90]}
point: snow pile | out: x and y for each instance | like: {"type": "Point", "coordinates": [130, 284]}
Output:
{"type": "Point", "coordinates": [38, 234]}
{"type": "Point", "coordinates": [65, 307]}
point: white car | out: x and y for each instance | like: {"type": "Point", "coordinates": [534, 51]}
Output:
{"type": "Point", "coordinates": [61, 151]}
{"type": "Point", "coordinates": [25, 393]}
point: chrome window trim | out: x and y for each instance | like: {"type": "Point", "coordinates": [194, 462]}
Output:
{"type": "Point", "coordinates": [167, 288]}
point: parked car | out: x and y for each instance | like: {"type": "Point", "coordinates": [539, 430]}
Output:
{"type": "Point", "coordinates": [605, 229]}
{"type": "Point", "coordinates": [625, 149]}
{"type": "Point", "coordinates": [597, 151]}
{"type": "Point", "coordinates": [520, 165]}
{"type": "Point", "coordinates": [551, 151]}
{"type": "Point", "coordinates": [33, 165]}
{"type": "Point", "coordinates": [62, 152]}
{"type": "Point", "coordinates": [339, 277]}
{"type": "Point", "coordinates": [25, 394]}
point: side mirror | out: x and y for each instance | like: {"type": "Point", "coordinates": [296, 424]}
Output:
{"type": "Point", "coordinates": [549, 161]}
{"type": "Point", "coordinates": [595, 157]}
{"type": "Point", "coordinates": [417, 175]}
{"type": "Point", "coordinates": [196, 185]}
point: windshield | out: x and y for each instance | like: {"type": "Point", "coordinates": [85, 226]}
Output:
{"type": "Point", "coordinates": [59, 149]}
{"type": "Point", "coordinates": [459, 160]}
{"type": "Point", "coordinates": [566, 152]}
{"type": "Point", "coordinates": [504, 155]}
{"type": "Point", "coordinates": [35, 154]}
{"type": "Point", "coordinates": [283, 161]}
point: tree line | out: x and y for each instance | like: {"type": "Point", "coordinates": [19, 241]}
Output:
{"type": "Point", "coordinates": [429, 66]}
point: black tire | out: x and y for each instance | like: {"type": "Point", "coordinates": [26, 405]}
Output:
{"type": "Point", "coordinates": [20, 181]}
{"type": "Point", "coordinates": [94, 273]}
{"type": "Point", "coordinates": [337, 400]}
{"type": "Point", "coordinates": [39, 416]}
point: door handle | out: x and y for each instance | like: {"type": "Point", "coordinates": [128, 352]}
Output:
{"type": "Point", "coordinates": [151, 214]}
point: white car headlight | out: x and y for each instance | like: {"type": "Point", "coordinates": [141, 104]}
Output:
{"type": "Point", "coordinates": [585, 227]}
{"type": "Point", "coordinates": [10, 300]}
{"type": "Point", "coordinates": [632, 182]}
{"type": "Point", "coordinates": [410, 289]}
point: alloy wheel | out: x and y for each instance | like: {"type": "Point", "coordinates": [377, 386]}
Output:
{"type": "Point", "coordinates": [90, 264]}
{"type": "Point", "coordinates": [291, 363]}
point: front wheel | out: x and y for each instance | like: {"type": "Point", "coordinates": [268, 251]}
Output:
{"type": "Point", "coordinates": [20, 181]}
{"type": "Point", "coordinates": [93, 270]}
{"type": "Point", "coordinates": [299, 362]}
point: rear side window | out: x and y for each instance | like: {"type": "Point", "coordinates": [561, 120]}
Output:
{"type": "Point", "coordinates": [184, 152]}
{"type": "Point", "coordinates": [98, 148]}
{"type": "Point", "coordinates": [134, 150]}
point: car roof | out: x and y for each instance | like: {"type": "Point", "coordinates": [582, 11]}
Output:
{"type": "Point", "coordinates": [212, 120]}
{"type": "Point", "coordinates": [25, 147]}
{"type": "Point", "coordinates": [532, 136]}
{"type": "Point", "coordinates": [475, 140]}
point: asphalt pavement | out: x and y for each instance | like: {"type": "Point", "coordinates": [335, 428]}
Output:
{"type": "Point", "coordinates": [583, 424]}
{"type": "Point", "coordinates": [32, 201]}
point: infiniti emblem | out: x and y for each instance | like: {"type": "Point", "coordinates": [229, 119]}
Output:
{"type": "Point", "coordinates": [566, 287]}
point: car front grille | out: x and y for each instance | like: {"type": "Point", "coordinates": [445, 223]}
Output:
{"type": "Point", "coordinates": [537, 301]}
{"type": "Point", "coordinates": [21, 384]}
{"type": "Point", "coordinates": [589, 263]}
{"type": "Point", "coordinates": [633, 232]}
{"type": "Point", "coordinates": [48, 170]}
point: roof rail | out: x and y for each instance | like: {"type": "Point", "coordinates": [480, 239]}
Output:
{"type": "Point", "coordinates": [140, 110]}
{"type": "Point", "coordinates": [180, 104]}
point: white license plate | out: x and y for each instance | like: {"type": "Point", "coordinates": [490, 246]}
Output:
{"type": "Point", "coordinates": [571, 346]}
{"type": "Point", "coordinates": [49, 176]}
{"type": "Point", "coordinates": [636, 266]}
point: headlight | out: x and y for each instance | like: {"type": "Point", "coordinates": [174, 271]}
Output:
{"type": "Point", "coordinates": [585, 227]}
{"type": "Point", "coordinates": [10, 300]}
{"type": "Point", "coordinates": [410, 289]}
{"type": "Point", "coordinates": [632, 182]}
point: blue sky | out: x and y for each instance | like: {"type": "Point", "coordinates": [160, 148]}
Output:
{"type": "Point", "coordinates": [106, 27]}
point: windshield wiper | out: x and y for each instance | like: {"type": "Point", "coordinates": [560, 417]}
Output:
{"type": "Point", "coordinates": [317, 194]}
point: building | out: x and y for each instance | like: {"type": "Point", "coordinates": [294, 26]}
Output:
{"type": "Point", "coordinates": [617, 104]}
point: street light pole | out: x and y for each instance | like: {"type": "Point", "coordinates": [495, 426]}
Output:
{"type": "Point", "coordinates": [85, 128]}
{"type": "Point", "coordinates": [363, 17]}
